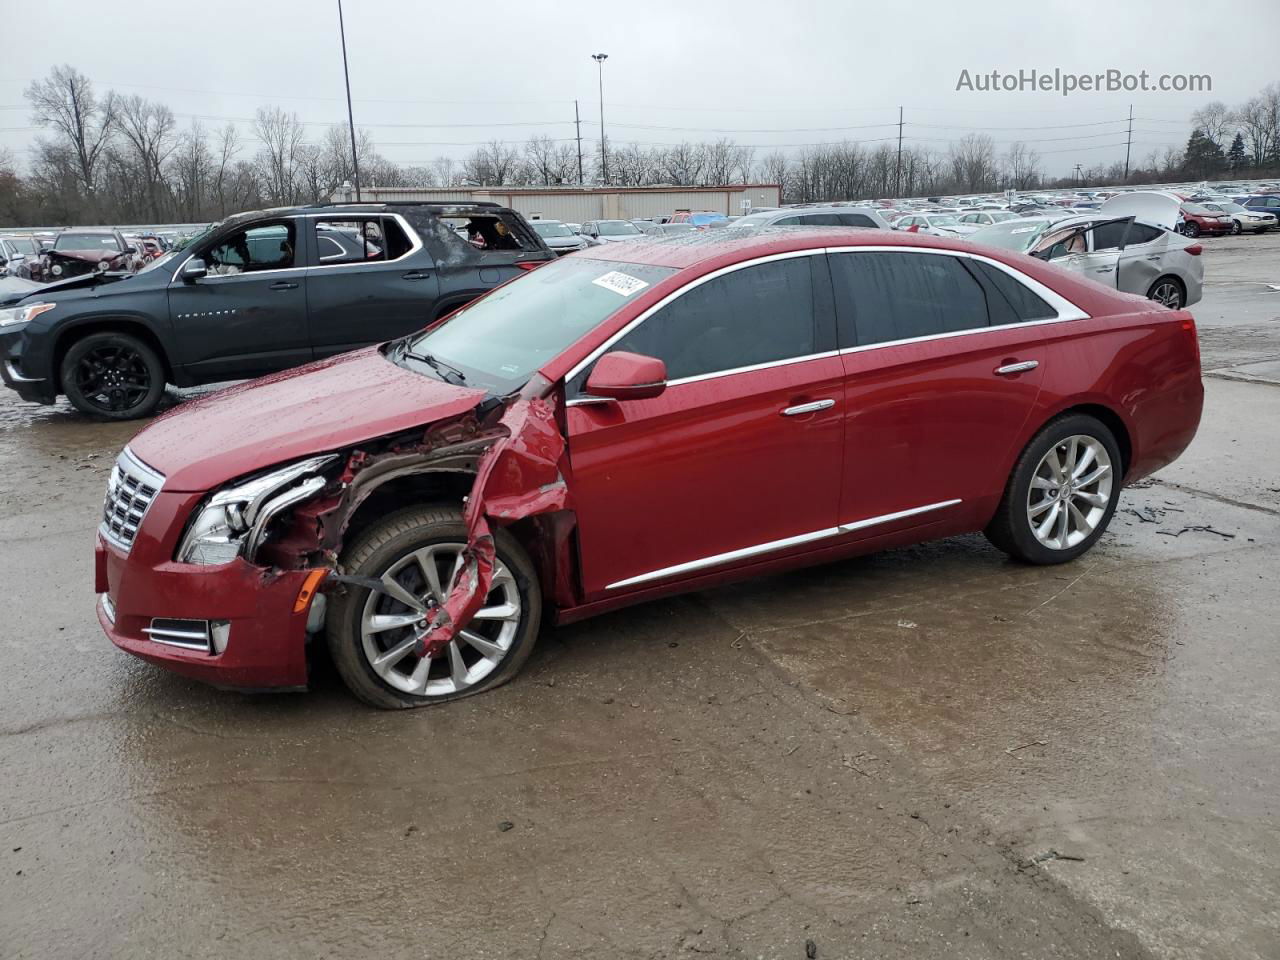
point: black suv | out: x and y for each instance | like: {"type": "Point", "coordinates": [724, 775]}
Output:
{"type": "Point", "coordinates": [256, 293]}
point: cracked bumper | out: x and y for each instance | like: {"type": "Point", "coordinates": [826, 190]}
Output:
{"type": "Point", "coordinates": [266, 643]}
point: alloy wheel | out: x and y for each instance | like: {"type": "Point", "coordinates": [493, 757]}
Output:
{"type": "Point", "coordinates": [1070, 492]}
{"type": "Point", "coordinates": [1167, 293]}
{"type": "Point", "coordinates": [113, 378]}
{"type": "Point", "coordinates": [392, 621]}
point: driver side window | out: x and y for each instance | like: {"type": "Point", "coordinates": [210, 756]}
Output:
{"type": "Point", "coordinates": [263, 246]}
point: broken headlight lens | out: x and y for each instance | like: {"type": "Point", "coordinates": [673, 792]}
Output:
{"type": "Point", "coordinates": [233, 522]}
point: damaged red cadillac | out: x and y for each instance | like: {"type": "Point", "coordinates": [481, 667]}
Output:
{"type": "Point", "coordinates": [627, 423]}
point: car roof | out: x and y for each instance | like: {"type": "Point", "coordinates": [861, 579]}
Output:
{"type": "Point", "coordinates": [732, 245]}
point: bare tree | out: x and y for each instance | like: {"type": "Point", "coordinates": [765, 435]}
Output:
{"type": "Point", "coordinates": [65, 102]}
{"type": "Point", "coordinates": [1216, 122]}
{"type": "Point", "coordinates": [147, 139]}
{"type": "Point", "coordinates": [192, 170]}
{"type": "Point", "coordinates": [1020, 166]}
{"type": "Point", "coordinates": [1259, 120]}
{"type": "Point", "coordinates": [973, 163]}
{"type": "Point", "coordinates": [281, 135]}
{"type": "Point", "coordinates": [227, 150]}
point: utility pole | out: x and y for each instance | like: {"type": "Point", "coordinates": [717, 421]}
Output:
{"type": "Point", "coordinates": [1128, 145]}
{"type": "Point", "coordinates": [897, 172]}
{"type": "Point", "coordinates": [600, 58]}
{"type": "Point", "coordinates": [577, 123]}
{"type": "Point", "coordinates": [351, 122]}
{"type": "Point", "coordinates": [1077, 175]}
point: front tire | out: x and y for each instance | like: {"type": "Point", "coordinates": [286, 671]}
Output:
{"type": "Point", "coordinates": [371, 634]}
{"type": "Point", "coordinates": [112, 376]}
{"type": "Point", "coordinates": [1236, 229]}
{"type": "Point", "coordinates": [1062, 492]}
{"type": "Point", "coordinates": [1192, 230]}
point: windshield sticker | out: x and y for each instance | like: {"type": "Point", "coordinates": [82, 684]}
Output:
{"type": "Point", "coordinates": [1022, 230]}
{"type": "Point", "coordinates": [620, 283]}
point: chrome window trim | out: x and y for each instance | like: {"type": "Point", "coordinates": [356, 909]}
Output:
{"type": "Point", "coordinates": [414, 240]}
{"type": "Point", "coordinates": [771, 546]}
{"type": "Point", "coordinates": [675, 295]}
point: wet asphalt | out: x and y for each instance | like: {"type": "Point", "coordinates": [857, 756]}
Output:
{"type": "Point", "coordinates": [930, 752]}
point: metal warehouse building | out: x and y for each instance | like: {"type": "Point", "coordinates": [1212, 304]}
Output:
{"type": "Point", "coordinates": [579, 204]}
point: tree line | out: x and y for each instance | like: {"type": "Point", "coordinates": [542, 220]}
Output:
{"type": "Point", "coordinates": [113, 158]}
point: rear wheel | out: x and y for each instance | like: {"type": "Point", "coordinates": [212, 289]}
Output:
{"type": "Point", "coordinates": [112, 376]}
{"type": "Point", "coordinates": [416, 553]}
{"type": "Point", "coordinates": [1062, 492]}
{"type": "Point", "coordinates": [1167, 291]}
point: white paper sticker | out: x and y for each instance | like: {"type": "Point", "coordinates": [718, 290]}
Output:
{"type": "Point", "coordinates": [620, 283]}
{"type": "Point", "coordinates": [1023, 230]}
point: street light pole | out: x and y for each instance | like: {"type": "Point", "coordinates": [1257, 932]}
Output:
{"type": "Point", "coordinates": [351, 122]}
{"type": "Point", "coordinates": [600, 58]}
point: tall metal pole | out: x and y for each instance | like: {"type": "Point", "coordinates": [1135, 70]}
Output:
{"type": "Point", "coordinates": [1128, 145]}
{"type": "Point", "coordinates": [351, 121]}
{"type": "Point", "coordinates": [897, 173]}
{"type": "Point", "coordinates": [600, 58]}
{"type": "Point", "coordinates": [577, 123]}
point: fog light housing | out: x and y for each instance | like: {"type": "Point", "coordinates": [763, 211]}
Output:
{"type": "Point", "coordinates": [219, 635]}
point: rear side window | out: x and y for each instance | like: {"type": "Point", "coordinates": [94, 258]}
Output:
{"type": "Point", "coordinates": [1140, 233]}
{"type": "Point", "coordinates": [882, 297]}
{"type": "Point", "coordinates": [1109, 236]}
{"type": "Point", "coordinates": [857, 220]}
{"type": "Point", "coordinates": [1022, 304]}
{"type": "Point", "coordinates": [349, 241]}
{"type": "Point", "coordinates": [820, 220]}
{"type": "Point", "coordinates": [754, 315]}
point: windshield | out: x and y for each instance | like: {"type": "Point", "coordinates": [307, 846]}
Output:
{"type": "Point", "coordinates": [86, 241]}
{"type": "Point", "coordinates": [945, 220]}
{"type": "Point", "coordinates": [23, 244]}
{"type": "Point", "coordinates": [501, 340]}
{"type": "Point", "coordinates": [616, 228]}
{"type": "Point", "coordinates": [550, 228]}
{"type": "Point", "coordinates": [669, 228]}
{"type": "Point", "coordinates": [1195, 209]}
{"type": "Point", "coordinates": [1011, 235]}
{"type": "Point", "coordinates": [997, 216]}
{"type": "Point", "coordinates": [1230, 207]}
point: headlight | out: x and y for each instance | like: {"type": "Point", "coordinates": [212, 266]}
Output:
{"type": "Point", "coordinates": [56, 269]}
{"type": "Point", "coordinates": [17, 315]}
{"type": "Point", "coordinates": [233, 521]}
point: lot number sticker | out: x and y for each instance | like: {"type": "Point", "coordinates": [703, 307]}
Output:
{"type": "Point", "coordinates": [620, 283]}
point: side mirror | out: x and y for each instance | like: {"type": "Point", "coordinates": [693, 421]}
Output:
{"type": "Point", "coordinates": [130, 249]}
{"type": "Point", "coordinates": [627, 376]}
{"type": "Point", "coordinates": [194, 269]}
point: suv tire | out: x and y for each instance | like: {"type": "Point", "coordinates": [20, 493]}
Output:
{"type": "Point", "coordinates": [112, 376]}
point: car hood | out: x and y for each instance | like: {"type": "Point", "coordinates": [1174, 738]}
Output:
{"type": "Point", "coordinates": [1159, 207]}
{"type": "Point", "coordinates": [91, 285]}
{"type": "Point", "coordinates": [557, 243]}
{"type": "Point", "coordinates": [326, 405]}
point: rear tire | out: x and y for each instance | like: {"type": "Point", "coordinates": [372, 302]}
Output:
{"type": "Point", "coordinates": [1169, 292]}
{"type": "Point", "coordinates": [1028, 524]}
{"type": "Point", "coordinates": [398, 547]}
{"type": "Point", "coordinates": [112, 376]}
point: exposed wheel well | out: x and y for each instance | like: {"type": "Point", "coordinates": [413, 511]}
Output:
{"type": "Point", "coordinates": [1113, 423]}
{"type": "Point", "coordinates": [107, 325]}
{"type": "Point", "coordinates": [444, 487]}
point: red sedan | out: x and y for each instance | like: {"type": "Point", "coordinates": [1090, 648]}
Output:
{"type": "Point", "coordinates": [654, 418]}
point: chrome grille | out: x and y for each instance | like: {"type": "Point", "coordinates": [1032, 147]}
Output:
{"type": "Point", "coordinates": [130, 490]}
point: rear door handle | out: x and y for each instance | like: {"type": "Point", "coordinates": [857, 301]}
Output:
{"type": "Point", "coordinates": [284, 285]}
{"type": "Point", "coordinates": [813, 407]}
{"type": "Point", "coordinates": [415, 275]}
{"type": "Point", "coordinates": [1021, 367]}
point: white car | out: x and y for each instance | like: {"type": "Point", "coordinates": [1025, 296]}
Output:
{"type": "Point", "coordinates": [986, 218]}
{"type": "Point", "coordinates": [1242, 219]}
{"type": "Point", "coordinates": [935, 225]}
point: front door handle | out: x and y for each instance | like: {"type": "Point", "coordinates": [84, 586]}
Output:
{"type": "Point", "coordinates": [284, 285]}
{"type": "Point", "coordinates": [1103, 269]}
{"type": "Point", "coordinates": [1011, 368]}
{"type": "Point", "coordinates": [415, 275]}
{"type": "Point", "coordinates": [813, 407]}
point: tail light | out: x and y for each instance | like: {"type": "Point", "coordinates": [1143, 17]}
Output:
{"type": "Point", "coordinates": [529, 264]}
{"type": "Point", "coordinates": [1189, 327]}
{"type": "Point", "coordinates": [1195, 249]}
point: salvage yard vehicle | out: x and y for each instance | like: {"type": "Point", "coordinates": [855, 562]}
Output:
{"type": "Point", "coordinates": [1242, 218]}
{"type": "Point", "coordinates": [612, 231]}
{"type": "Point", "coordinates": [627, 423]}
{"type": "Point", "coordinates": [256, 293]}
{"type": "Point", "coordinates": [1125, 253]}
{"type": "Point", "coordinates": [78, 252]}
{"type": "Point", "coordinates": [559, 237]}
{"type": "Point", "coordinates": [843, 216]}
{"type": "Point", "coordinates": [17, 256]}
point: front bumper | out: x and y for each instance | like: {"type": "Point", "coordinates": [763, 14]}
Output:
{"type": "Point", "coordinates": [17, 376]}
{"type": "Point", "coordinates": [266, 641]}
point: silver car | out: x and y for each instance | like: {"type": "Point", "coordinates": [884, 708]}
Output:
{"type": "Point", "coordinates": [867, 217]}
{"type": "Point", "coordinates": [1122, 252]}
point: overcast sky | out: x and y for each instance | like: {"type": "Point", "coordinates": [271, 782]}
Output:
{"type": "Point", "coordinates": [432, 78]}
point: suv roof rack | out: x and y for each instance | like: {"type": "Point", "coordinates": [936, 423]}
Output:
{"type": "Point", "coordinates": [405, 203]}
